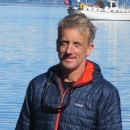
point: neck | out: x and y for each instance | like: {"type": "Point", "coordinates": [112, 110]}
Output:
{"type": "Point", "coordinates": [72, 75]}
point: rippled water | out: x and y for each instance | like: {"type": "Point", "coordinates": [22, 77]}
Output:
{"type": "Point", "coordinates": [27, 49]}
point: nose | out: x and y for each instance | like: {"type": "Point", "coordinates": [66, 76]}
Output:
{"type": "Point", "coordinates": [69, 49]}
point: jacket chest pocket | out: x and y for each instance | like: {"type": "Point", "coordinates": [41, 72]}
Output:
{"type": "Point", "coordinates": [86, 109]}
{"type": "Point", "coordinates": [79, 114]}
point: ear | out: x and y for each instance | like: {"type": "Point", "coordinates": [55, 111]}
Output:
{"type": "Point", "coordinates": [90, 49]}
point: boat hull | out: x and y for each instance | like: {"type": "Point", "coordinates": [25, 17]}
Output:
{"type": "Point", "coordinates": [102, 15]}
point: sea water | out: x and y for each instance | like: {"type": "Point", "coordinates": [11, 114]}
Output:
{"type": "Point", "coordinates": [28, 48]}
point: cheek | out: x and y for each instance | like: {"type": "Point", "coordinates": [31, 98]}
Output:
{"type": "Point", "coordinates": [60, 53]}
{"type": "Point", "coordinates": [81, 52]}
{"type": "Point", "coordinates": [62, 49]}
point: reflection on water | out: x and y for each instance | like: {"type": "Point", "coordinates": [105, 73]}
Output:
{"type": "Point", "coordinates": [112, 45]}
{"type": "Point", "coordinates": [27, 48]}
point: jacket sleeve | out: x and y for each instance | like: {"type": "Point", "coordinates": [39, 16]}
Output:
{"type": "Point", "coordinates": [109, 112]}
{"type": "Point", "coordinates": [24, 120]}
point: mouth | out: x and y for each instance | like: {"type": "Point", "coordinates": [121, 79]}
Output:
{"type": "Point", "coordinates": [69, 59]}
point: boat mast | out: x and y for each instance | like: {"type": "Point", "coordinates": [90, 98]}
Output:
{"type": "Point", "coordinates": [87, 2]}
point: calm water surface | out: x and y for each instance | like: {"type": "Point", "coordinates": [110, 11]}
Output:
{"type": "Point", "coordinates": [27, 49]}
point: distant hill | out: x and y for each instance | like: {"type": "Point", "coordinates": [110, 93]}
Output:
{"type": "Point", "coordinates": [60, 2]}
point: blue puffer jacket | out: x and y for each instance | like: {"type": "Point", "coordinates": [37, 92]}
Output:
{"type": "Point", "coordinates": [91, 103]}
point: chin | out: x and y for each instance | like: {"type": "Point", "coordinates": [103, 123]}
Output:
{"type": "Point", "coordinates": [68, 67]}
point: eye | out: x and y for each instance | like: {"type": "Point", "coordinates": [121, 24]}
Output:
{"type": "Point", "coordinates": [64, 42]}
{"type": "Point", "coordinates": [77, 44]}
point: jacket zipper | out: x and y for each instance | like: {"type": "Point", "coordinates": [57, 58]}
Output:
{"type": "Point", "coordinates": [61, 101]}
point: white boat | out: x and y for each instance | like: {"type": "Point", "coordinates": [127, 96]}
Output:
{"type": "Point", "coordinates": [102, 10]}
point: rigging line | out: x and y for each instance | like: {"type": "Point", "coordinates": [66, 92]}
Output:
{"type": "Point", "coordinates": [126, 2]}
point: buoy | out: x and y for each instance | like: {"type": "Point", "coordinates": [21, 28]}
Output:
{"type": "Point", "coordinates": [81, 6]}
{"type": "Point", "coordinates": [66, 2]}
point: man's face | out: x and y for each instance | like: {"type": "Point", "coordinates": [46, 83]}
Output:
{"type": "Point", "coordinates": [72, 48]}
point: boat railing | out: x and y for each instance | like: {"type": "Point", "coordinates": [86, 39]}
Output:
{"type": "Point", "coordinates": [99, 9]}
{"type": "Point", "coordinates": [106, 9]}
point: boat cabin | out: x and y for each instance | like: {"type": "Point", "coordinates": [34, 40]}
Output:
{"type": "Point", "coordinates": [106, 3]}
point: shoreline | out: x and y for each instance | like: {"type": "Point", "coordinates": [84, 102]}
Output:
{"type": "Point", "coordinates": [34, 4]}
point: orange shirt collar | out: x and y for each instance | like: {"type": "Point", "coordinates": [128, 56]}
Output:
{"type": "Point", "coordinates": [87, 75]}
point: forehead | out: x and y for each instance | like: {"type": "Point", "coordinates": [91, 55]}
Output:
{"type": "Point", "coordinates": [74, 35]}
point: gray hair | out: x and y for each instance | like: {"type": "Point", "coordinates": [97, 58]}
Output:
{"type": "Point", "coordinates": [79, 22]}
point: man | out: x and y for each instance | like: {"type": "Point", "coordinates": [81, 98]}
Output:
{"type": "Point", "coordinates": [72, 95]}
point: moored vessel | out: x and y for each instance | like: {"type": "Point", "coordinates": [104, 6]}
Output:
{"type": "Point", "coordinates": [101, 10]}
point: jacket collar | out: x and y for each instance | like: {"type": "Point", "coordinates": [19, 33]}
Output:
{"type": "Point", "coordinates": [91, 72]}
{"type": "Point", "coordinates": [87, 75]}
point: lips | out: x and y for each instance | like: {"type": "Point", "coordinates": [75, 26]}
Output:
{"type": "Point", "coordinates": [69, 59]}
